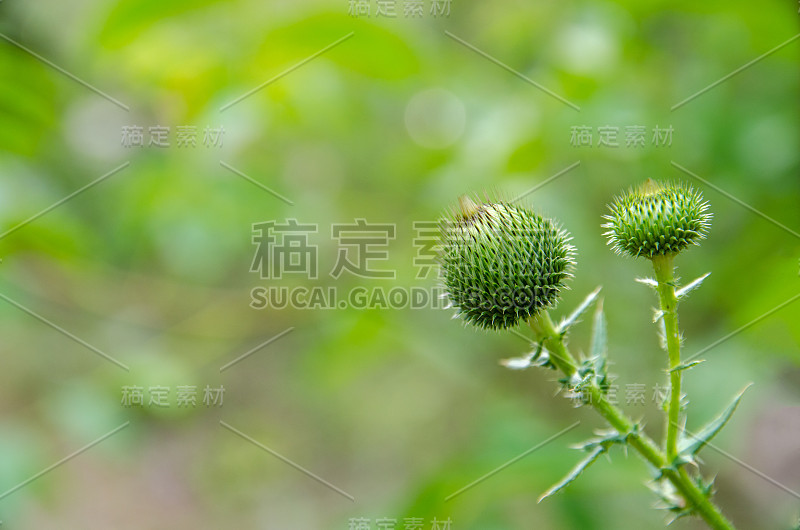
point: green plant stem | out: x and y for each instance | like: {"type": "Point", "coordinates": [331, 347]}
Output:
{"type": "Point", "coordinates": [664, 269]}
{"type": "Point", "coordinates": [560, 356]}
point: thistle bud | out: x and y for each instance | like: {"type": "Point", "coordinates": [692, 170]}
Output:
{"type": "Point", "coordinates": [502, 263]}
{"type": "Point", "coordinates": [657, 220]}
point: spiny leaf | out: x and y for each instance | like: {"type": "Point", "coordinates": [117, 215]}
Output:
{"type": "Point", "coordinates": [687, 365]}
{"type": "Point", "coordinates": [598, 346]}
{"type": "Point", "coordinates": [706, 488]}
{"type": "Point", "coordinates": [681, 509]}
{"type": "Point", "coordinates": [599, 336]}
{"type": "Point", "coordinates": [648, 281]}
{"type": "Point", "coordinates": [671, 501]}
{"type": "Point", "coordinates": [574, 473]}
{"type": "Point", "coordinates": [658, 314]}
{"type": "Point", "coordinates": [517, 363]}
{"type": "Point", "coordinates": [690, 444]}
{"type": "Point", "coordinates": [604, 439]}
{"type": "Point", "coordinates": [538, 357]}
{"type": "Point", "coordinates": [521, 363]}
{"type": "Point", "coordinates": [662, 334]}
{"type": "Point", "coordinates": [565, 324]}
{"type": "Point", "coordinates": [686, 289]}
{"type": "Point", "coordinates": [664, 490]}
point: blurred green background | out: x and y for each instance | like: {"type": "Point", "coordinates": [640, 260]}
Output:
{"type": "Point", "coordinates": [398, 408]}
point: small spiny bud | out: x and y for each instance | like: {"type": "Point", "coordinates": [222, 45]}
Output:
{"type": "Point", "coordinates": [657, 219]}
{"type": "Point", "coordinates": [502, 263]}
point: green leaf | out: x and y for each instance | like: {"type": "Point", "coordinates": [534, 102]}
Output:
{"type": "Point", "coordinates": [518, 363]}
{"type": "Point", "coordinates": [538, 357]}
{"type": "Point", "coordinates": [662, 334]}
{"type": "Point", "coordinates": [566, 323]}
{"type": "Point", "coordinates": [575, 472]}
{"type": "Point", "coordinates": [686, 365]}
{"type": "Point", "coordinates": [650, 282]}
{"type": "Point", "coordinates": [673, 502]}
{"type": "Point", "coordinates": [658, 314]}
{"type": "Point", "coordinates": [605, 439]}
{"type": "Point", "coordinates": [597, 349]}
{"type": "Point", "coordinates": [594, 447]}
{"type": "Point", "coordinates": [598, 346]}
{"type": "Point", "coordinates": [686, 289]}
{"type": "Point", "coordinates": [690, 444]}
{"type": "Point", "coordinates": [670, 500]}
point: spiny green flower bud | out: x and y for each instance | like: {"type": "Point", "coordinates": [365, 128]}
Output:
{"type": "Point", "coordinates": [657, 220]}
{"type": "Point", "coordinates": [502, 263]}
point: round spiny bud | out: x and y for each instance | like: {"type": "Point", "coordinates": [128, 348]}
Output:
{"type": "Point", "coordinates": [657, 220]}
{"type": "Point", "coordinates": [502, 263]}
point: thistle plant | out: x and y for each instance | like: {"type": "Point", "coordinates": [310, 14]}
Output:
{"type": "Point", "coordinates": [503, 264]}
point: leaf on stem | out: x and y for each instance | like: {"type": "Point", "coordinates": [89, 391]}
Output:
{"type": "Point", "coordinates": [598, 347]}
{"type": "Point", "coordinates": [574, 473]}
{"type": "Point", "coordinates": [594, 447]}
{"type": "Point", "coordinates": [517, 363]}
{"type": "Point", "coordinates": [686, 289]}
{"type": "Point", "coordinates": [650, 282]}
{"type": "Point", "coordinates": [566, 323]}
{"type": "Point", "coordinates": [662, 334]}
{"type": "Point", "coordinates": [673, 502]}
{"type": "Point", "coordinates": [686, 365]}
{"type": "Point", "coordinates": [605, 439]}
{"type": "Point", "coordinates": [658, 314]}
{"type": "Point", "coordinates": [690, 444]}
{"type": "Point", "coordinates": [538, 357]}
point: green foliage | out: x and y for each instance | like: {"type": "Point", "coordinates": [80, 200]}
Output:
{"type": "Point", "coordinates": [538, 357]}
{"type": "Point", "coordinates": [579, 468]}
{"type": "Point", "coordinates": [691, 286]}
{"type": "Point", "coordinates": [598, 349]}
{"type": "Point", "coordinates": [594, 448]}
{"type": "Point", "coordinates": [502, 263]}
{"type": "Point", "coordinates": [657, 220]}
{"type": "Point", "coordinates": [599, 344]}
{"type": "Point", "coordinates": [691, 443]}
{"type": "Point", "coordinates": [573, 317]}
{"type": "Point", "coordinates": [687, 365]}
{"type": "Point", "coordinates": [670, 499]}
{"type": "Point", "coordinates": [594, 368]}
